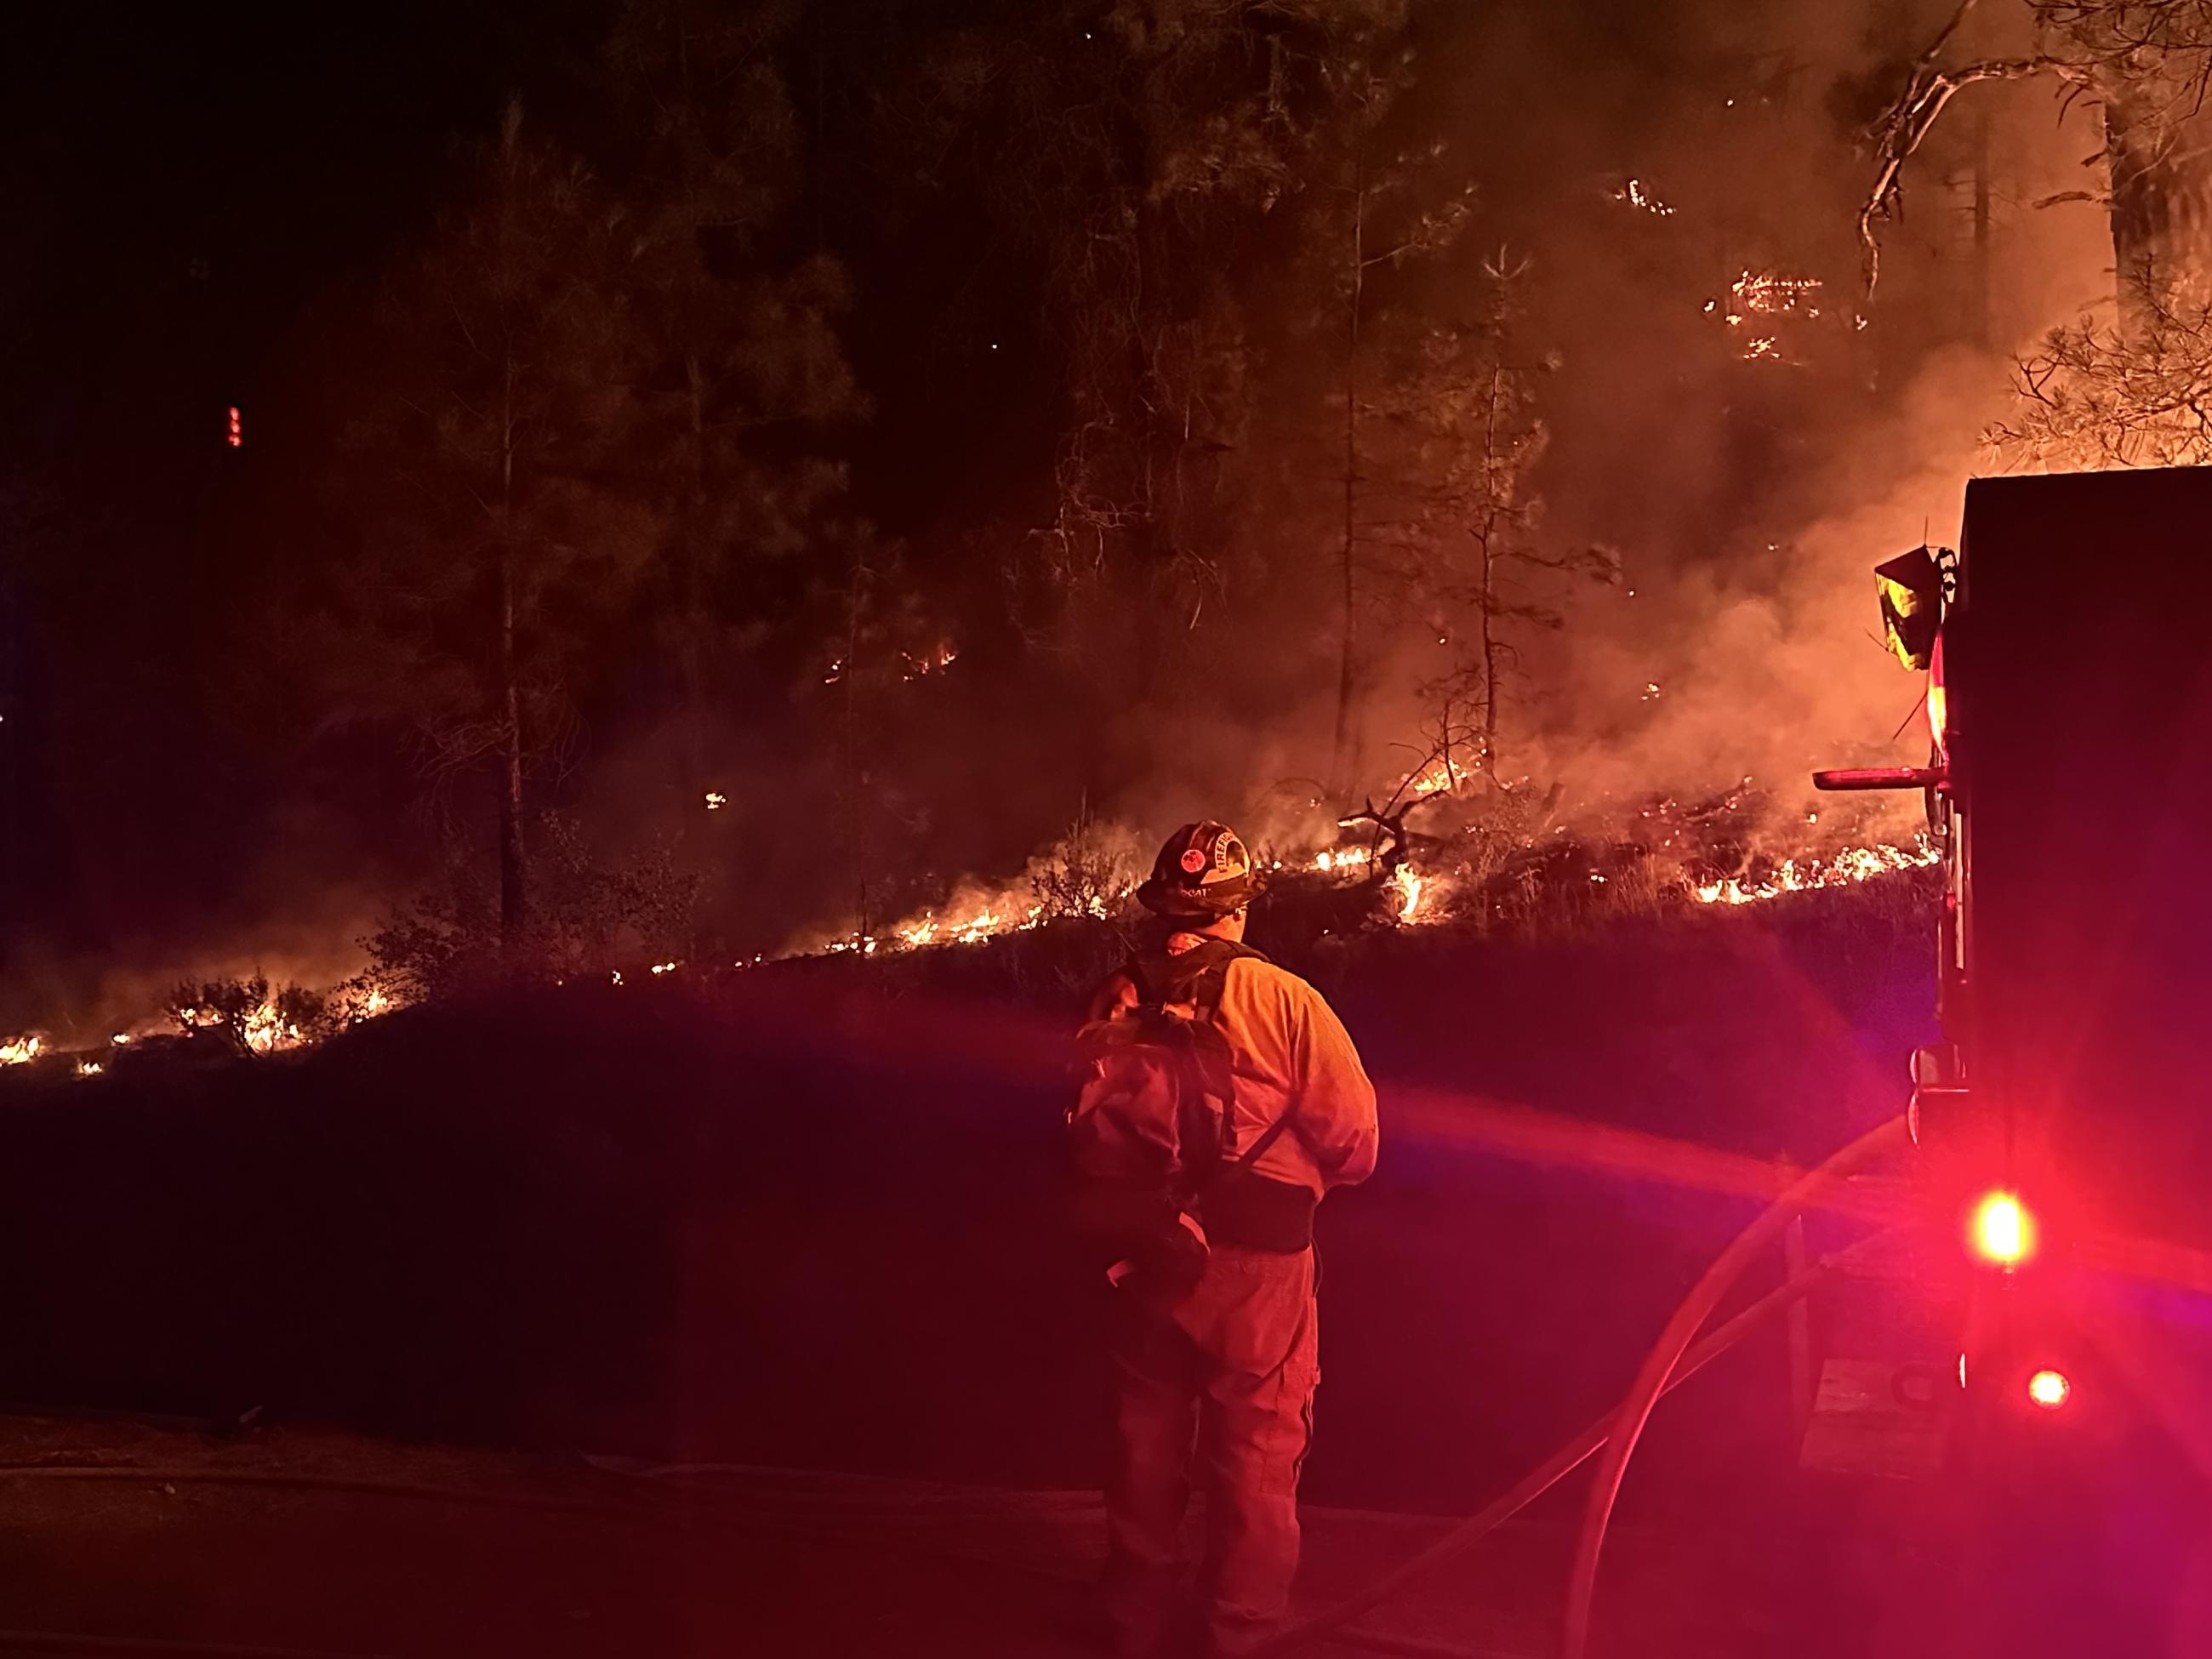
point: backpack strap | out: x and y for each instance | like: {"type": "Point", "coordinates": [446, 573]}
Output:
{"type": "Point", "coordinates": [1196, 977]}
{"type": "Point", "coordinates": [1268, 1137]}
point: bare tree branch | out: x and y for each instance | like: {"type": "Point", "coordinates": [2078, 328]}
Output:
{"type": "Point", "coordinates": [1902, 129]}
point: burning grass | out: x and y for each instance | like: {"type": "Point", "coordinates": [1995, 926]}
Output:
{"type": "Point", "coordinates": [1462, 854]}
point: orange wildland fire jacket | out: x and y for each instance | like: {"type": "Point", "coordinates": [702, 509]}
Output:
{"type": "Point", "coordinates": [1288, 1048]}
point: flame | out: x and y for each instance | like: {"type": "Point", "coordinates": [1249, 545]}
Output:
{"type": "Point", "coordinates": [1340, 858]}
{"type": "Point", "coordinates": [1442, 777]}
{"type": "Point", "coordinates": [90, 1068]}
{"type": "Point", "coordinates": [942, 656]}
{"type": "Point", "coordinates": [1844, 869]}
{"type": "Point", "coordinates": [22, 1051]}
{"type": "Point", "coordinates": [266, 1029]}
{"type": "Point", "coordinates": [119, 1039]}
{"type": "Point", "coordinates": [986, 923]}
{"type": "Point", "coordinates": [1409, 888]}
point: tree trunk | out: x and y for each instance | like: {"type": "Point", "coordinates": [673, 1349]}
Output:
{"type": "Point", "coordinates": [856, 775]}
{"type": "Point", "coordinates": [1344, 765]}
{"type": "Point", "coordinates": [691, 603]}
{"type": "Point", "coordinates": [1981, 216]}
{"type": "Point", "coordinates": [2141, 185]}
{"type": "Point", "coordinates": [512, 910]}
{"type": "Point", "coordinates": [511, 884]}
{"type": "Point", "coordinates": [1489, 604]}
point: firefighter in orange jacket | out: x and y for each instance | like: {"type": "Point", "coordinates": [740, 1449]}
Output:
{"type": "Point", "coordinates": [1226, 1369]}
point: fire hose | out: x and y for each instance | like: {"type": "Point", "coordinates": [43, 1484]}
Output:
{"type": "Point", "coordinates": [1667, 1354]}
{"type": "Point", "coordinates": [1672, 1363]}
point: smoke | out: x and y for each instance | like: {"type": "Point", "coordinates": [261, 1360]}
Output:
{"type": "Point", "coordinates": [1746, 497]}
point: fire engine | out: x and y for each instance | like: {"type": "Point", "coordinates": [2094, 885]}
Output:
{"type": "Point", "coordinates": [2063, 1121]}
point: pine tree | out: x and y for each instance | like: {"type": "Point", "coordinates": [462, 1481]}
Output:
{"type": "Point", "coordinates": [742, 386]}
{"type": "Point", "coordinates": [494, 550]}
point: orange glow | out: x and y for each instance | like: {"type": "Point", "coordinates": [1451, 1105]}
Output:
{"type": "Point", "coordinates": [2050, 1389]}
{"type": "Point", "coordinates": [2003, 1231]}
{"type": "Point", "coordinates": [1843, 869]}
{"type": "Point", "coordinates": [1937, 711]}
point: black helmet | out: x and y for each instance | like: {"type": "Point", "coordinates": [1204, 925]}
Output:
{"type": "Point", "coordinates": [1203, 873]}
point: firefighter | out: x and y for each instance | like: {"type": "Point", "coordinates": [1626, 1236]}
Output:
{"type": "Point", "coordinates": [1223, 1369]}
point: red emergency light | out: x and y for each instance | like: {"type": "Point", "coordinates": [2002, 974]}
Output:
{"type": "Point", "coordinates": [2003, 1231]}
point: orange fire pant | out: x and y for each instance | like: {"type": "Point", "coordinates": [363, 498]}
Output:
{"type": "Point", "coordinates": [1224, 1373]}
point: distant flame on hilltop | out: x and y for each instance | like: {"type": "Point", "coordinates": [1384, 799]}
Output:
{"type": "Point", "coordinates": [1426, 879]}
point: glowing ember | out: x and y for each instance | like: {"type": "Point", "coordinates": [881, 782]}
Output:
{"type": "Point", "coordinates": [1637, 194]}
{"type": "Point", "coordinates": [925, 662]}
{"type": "Point", "coordinates": [660, 967]}
{"type": "Point", "coordinates": [1851, 866]}
{"type": "Point", "coordinates": [120, 1038]}
{"type": "Point", "coordinates": [21, 1052]}
{"type": "Point", "coordinates": [1767, 295]}
{"type": "Point", "coordinates": [716, 801]}
{"type": "Point", "coordinates": [90, 1068]}
{"type": "Point", "coordinates": [1774, 296]}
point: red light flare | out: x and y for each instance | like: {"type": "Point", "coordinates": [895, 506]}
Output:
{"type": "Point", "coordinates": [236, 433]}
{"type": "Point", "coordinates": [2003, 1231]}
{"type": "Point", "coordinates": [2050, 1389]}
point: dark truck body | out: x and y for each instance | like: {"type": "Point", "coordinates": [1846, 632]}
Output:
{"type": "Point", "coordinates": [2078, 671]}
{"type": "Point", "coordinates": [2076, 808]}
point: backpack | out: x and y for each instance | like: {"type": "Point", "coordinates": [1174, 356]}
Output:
{"type": "Point", "coordinates": [1152, 1126]}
